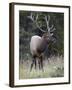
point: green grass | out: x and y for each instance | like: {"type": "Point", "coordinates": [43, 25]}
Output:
{"type": "Point", "coordinates": [53, 68]}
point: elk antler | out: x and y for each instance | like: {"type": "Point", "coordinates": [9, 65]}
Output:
{"type": "Point", "coordinates": [47, 19]}
{"type": "Point", "coordinates": [49, 29]}
{"type": "Point", "coordinates": [38, 25]}
{"type": "Point", "coordinates": [35, 19]}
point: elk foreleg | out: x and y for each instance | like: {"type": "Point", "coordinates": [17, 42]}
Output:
{"type": "Point", "coordinates": [39, 64]}
{"type": "Point", "coordinates": [33, 62]}
{"type": "Point", "coordinates": [41, 61]}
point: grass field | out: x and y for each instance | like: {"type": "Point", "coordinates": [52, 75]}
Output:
{"type": "Point", "coordinates": [53, 67]}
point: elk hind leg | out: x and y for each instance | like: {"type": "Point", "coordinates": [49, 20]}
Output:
{"type": "Point", "coordinates": [39, 64]}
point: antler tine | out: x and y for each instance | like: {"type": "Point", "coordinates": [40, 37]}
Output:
{"type": "Point", "coordinates": [31, 17]}
{"type": "Point", "coordinates": [47, 19]}
{"type": "Point", "coordinates": [53, 29]}
{"type": "Point", "coordinates": [36, 17]}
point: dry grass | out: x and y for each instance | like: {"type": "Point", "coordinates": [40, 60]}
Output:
{"type": "Point", "coordinates": [53, 67]}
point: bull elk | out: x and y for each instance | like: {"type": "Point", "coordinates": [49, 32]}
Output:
{"type": "Point", "coordinates": [38, 44]}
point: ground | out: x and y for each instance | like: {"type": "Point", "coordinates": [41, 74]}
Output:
{"type": "Point", "coordinates": [53, 67]}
